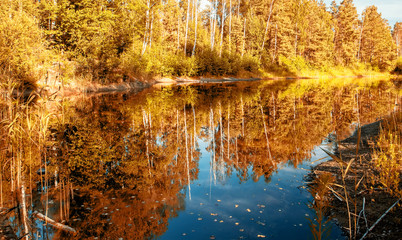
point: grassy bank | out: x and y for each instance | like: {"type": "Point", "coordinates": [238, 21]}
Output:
{"type": "Point", "coordinates": [367, 189]}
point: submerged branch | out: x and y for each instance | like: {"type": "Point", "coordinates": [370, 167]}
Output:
{"type": "Point", "coordinates": [54, 223]}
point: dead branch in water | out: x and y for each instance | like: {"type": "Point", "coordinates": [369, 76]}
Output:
{"type": "Point", "coordinates": [54, 223]}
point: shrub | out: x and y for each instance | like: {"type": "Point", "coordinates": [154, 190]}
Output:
{"type": "Point", "coordinates": [293, 65]}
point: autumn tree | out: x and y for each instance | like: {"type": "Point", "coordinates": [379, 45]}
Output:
{"type": "Point", "coordinates": [377, 47]}
{"type": "Point", "coordinates": [346, 32]}
{"type": "Point", "coordinates": [397, 35]}
{"type": "Point", "coordinates": [22, 49]}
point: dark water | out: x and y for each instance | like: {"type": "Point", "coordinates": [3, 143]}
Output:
{"type": "Point", "coordinates": [211, 161]}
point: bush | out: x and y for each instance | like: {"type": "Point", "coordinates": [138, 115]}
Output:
{"type": "Point", "coordinates": [293, 65]}
{"type": "Point", "coordinates": [22, 48]}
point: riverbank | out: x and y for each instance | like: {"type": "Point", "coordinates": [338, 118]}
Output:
{"type": "Point", "coordinates": [76, 88]}
{"type": "Point", "coordinates": [367, 200]}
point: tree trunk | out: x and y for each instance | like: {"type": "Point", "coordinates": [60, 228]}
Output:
{"type": "Point", "coordinates": [178, 27]}
{"type": "Point", "coordinates": [266, 27]}
{"type": "Point", "coordinates": [228, 132]}
{"type": "Point", "coordinates": [222, 25]}
{"type": "Point", "coordinates": [195, 30]}
{"type": "Point", "coordinates": [54, 223]}
{"type": "Point", "coordinates": [187, 18]}
{"type": "Point", "coordinates": [360, 40]}
{"type": "Point", "coordinates": [188, 164]}
{"type": "Point", "coordinates": [230, 26]}
{"type": "Point", "coordinates": [24, 212]}
{"type": "Point", "coordinates": [144, 42]}
{"type": "Point", "coordinates": [244, 37]}
{"type": "Point", "coordinates": [266, 134]}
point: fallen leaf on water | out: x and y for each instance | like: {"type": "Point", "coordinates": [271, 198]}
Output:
{"type": "Point", "coordinates": [241, 230]}
{"type": "Point", "coordinates": [261, 223]}
{"type": "Point", "coordinates": [221, 221]}
{"type": "Point", "coordinates": [236, 205]}
{"type": "Point", "coordinates": [218, 200]}
{"type": "Point", "coordinates": [248, 210]}
{"type": "Point", "coordinates": [236, 223]}
{"type": "Point", "coordinates": [199, 219]}
{"type": "Point", "coordinates": [261, 236]}
{"type": "Point", "coordinates": [214, 214]}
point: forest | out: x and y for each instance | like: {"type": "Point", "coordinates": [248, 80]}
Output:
{"type": "Point", "coordinates": [109, 41]}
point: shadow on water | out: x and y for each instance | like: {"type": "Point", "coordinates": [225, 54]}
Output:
{"type": "Point", "coordinates": [192, 161]}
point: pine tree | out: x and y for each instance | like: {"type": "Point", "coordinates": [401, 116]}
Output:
{"type": "Point", "coordinates": [377, 46]}
{"type": "Point", "coordinates": [319, 35]}
{"type": "Point", "coordinates": [346, 32]}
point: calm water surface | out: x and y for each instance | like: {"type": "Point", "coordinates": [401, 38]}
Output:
{"type": "Point", "coordinates": [209, 161]}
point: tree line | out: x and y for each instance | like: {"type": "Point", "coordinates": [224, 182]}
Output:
{"type": "Point", "coordinates": [115, 40]}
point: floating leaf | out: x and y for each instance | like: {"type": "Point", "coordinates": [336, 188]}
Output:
{"type": "Point", "coordinates": [261, 236]}
{"type": "Point", "coordinates": [248, 210]}
{"type": "Point", "coordinates": [236, 205]}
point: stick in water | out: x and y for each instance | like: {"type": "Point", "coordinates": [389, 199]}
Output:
{"type": "Point", "coordinates": [54, 223]}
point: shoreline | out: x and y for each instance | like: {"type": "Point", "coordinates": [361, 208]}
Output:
{"type": "Point", "coordinates": [140, 85]}
{"type": "Point", "coordinates": [372, 202]}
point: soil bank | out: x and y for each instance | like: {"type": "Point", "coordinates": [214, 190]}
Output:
{"type": "Point", "coordinates": [377, 201]}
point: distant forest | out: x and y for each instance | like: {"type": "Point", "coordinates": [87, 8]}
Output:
{"type": "Point", "coordinates": [107, 41]}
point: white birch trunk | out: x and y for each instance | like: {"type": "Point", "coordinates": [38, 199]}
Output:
{"type": "Point", "coordinates": [196, 27]}
{"type": "Point", "coordinates": [244, 37]}
{"type": "Point", "coordinates": [222, 25]}
{"type": "Point", "coordinates": [230, 26]}
{"type": "Point", "coordinates": [267, 26]}
{"type": "Point", "coordinates": [187, 18]}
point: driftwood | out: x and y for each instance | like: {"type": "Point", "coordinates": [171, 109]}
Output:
{"type": "Point", "coordinates": [54, 223]}
{"type": "Point", "coordinates": [371, 228]}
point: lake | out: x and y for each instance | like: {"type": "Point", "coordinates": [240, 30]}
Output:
{"type": "Point", "coordinates": [200, 161]}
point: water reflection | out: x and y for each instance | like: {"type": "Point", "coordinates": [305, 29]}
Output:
{"type": "Point", "coordinates": [147, 165]}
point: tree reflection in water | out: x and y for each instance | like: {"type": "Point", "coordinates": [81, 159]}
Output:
{"type": "Point", "coordinates": [122, 164]}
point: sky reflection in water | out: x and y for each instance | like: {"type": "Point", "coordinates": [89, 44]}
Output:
{"type": "Point", "coordinates": [248, 210]}
{"type": "Point", "coordinates": [130, 159]}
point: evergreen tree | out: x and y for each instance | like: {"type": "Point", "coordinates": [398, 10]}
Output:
{"type": "Point", "coordinates": [319, 35]}
{"type": "Point", "coordinates": [377, 46]}
{"type": "Point", "coordinates": [346, 32]}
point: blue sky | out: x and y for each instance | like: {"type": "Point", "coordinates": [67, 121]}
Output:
{"type": "Point", "coordinates": [389, 9]}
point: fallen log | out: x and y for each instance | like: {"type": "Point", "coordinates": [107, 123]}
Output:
{"type": "Point", "coordinates": [54, 223]}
